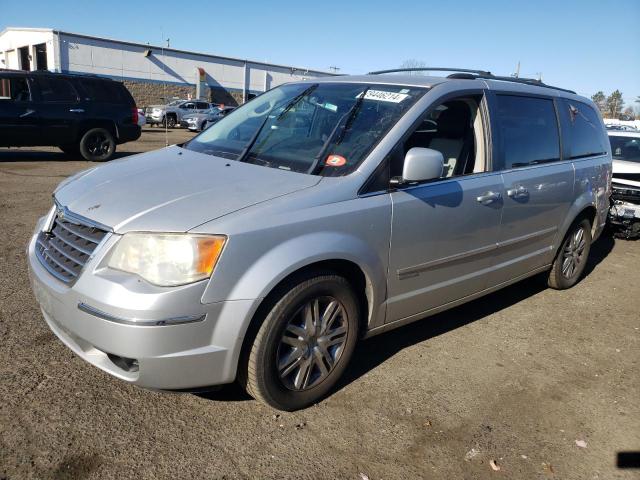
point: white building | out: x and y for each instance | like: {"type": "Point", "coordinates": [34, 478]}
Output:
{"type": "Point", "coordinates": [150, 72]}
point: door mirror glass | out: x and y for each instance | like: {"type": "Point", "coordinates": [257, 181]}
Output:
{"type": "Point", "coordinates": [421, 164]}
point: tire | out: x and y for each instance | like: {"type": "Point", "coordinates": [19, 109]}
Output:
{"type": "Point", "coordinates": [204, 126]}
{"type": "Point", "coordinates": [169, 121]}
{"type": "Point", "coordinates": [70, 150]}
{"type": "Point", "coordinates": [297, 371]}
{"type": "Point", "coordinates": [572, 256]}
{"type": "Point", "coordinates": [97, 145]}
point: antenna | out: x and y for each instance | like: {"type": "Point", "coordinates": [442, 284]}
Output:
{"type": "Point", "coordinates": [517, 72]}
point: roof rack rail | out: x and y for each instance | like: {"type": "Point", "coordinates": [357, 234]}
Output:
{"type": "Point", "coordinates": [465, 73]}
{"type": "Point", "coordinates": [431, 69]}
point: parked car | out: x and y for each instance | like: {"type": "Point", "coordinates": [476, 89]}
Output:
{"type": "Point", "coordinates": [173, 112]}
{"type": "Point", "coordinates": [83, 115]}
{"type": "Point", "coordinates": [200, 121]}
{"type": "Point", "coordinates": [624, 214]}
{"type": "Point", "coordinates": [319, 213]}
{"type": "Point", "coordinates": [142, 119]}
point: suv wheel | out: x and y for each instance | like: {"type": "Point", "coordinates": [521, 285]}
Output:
{"type": "Point", "coordinates": [571, 259]}
{"type": "Point", "coordinates": [304, 343]}
{"type": "Point", "coordinates": [169, 121]}
{"type": "Point", "coordinates": [97, 145]}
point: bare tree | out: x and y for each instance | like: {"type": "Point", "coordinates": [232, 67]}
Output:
{"type": "Point", "coordinates": [413, 63]}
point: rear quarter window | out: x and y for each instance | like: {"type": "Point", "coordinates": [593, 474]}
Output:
{"type": "Point", "coordinates": [105, 91]}
{"type": "Point", "coordinates": [527, 129]}
{"type": "Point", "coordinates": [582, 132]}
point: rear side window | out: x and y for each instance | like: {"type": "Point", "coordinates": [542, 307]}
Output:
{"type": "Point", "coordinates": [102, 91]}
{"type": "Point", "coordinates": [582, 131]}
{"type": "Point", "coordinates": [527, 131]}
{"type": "Point", "coordinates": [54, 89]}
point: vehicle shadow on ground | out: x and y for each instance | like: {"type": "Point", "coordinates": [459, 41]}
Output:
{"type": "Point", "coordinates": [19, 155]}
{"type": "Point", "coordinates": [373, 352]}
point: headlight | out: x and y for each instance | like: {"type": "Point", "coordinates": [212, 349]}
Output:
{"type": "Point", "coordinates": [168, 259]}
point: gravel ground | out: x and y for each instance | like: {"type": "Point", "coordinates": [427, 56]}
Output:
{"type": "Point", "coordinates": [516, 377]}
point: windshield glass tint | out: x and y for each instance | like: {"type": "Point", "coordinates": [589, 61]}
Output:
{"type": "Point", "coordinates": [625, 148]}
{"type": "Point", "coordinates": [324, 128]}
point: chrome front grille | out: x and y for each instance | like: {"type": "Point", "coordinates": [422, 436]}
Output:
{"type": "Point", "coordinates": [67, 246]}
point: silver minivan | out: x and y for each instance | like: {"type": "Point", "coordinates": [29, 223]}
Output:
{"type": "Point", "coordinates": [317, 214]}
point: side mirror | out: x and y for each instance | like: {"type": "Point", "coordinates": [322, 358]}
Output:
{"type": "Point", "coordinates": [421, 164]}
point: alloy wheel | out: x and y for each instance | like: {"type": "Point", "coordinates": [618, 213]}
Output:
{"type": "Point", "coordinates": [573, 254]}
{"type": "Point", "coordinates": [312, 343]}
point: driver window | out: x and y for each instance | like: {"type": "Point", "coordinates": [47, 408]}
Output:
{"type": "Point", "coordinates": [455, 129]}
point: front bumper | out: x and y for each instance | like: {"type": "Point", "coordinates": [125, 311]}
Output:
{"type": "Point", "coordinates": [182, 356]}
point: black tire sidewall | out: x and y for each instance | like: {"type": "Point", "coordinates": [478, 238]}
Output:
{"type": "Point", "coordinates": [271, 386]}
{"type": "Point", "coordinates": [84, 151]}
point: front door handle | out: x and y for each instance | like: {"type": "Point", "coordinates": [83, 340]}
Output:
{"type": "Point", "coordinates": [488, 198]}
{"type": "Point", "coordinates": [518, 192]}
{"type": "Point", "coordinates": [76, 110]}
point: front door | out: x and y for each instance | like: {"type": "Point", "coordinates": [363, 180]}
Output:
{"type": "Point", "coordinates": [538, 186]}
{"type": "Point", "coordinates": [18, 117]}
{"type": "Point", "coordinates": [445, 232]}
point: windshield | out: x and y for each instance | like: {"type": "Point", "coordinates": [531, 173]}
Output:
{"type": "Point", "coordinates": [322, 128]}
{"type": "Point", "coordinates": [625, 148]}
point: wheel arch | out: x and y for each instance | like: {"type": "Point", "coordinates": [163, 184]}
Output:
{"type": "Point", "coordinates": [348, 269]}
{"type": "Point", "coordinates": [584, 207]}
{"type": "Point", "coordinates": [85, 126]}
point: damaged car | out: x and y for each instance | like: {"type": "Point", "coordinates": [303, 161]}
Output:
{"type": "Point", "coordinates": [624, 213]}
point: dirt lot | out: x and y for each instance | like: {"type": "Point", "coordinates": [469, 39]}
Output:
{"type": "Point", "coordinates": [516, 377]}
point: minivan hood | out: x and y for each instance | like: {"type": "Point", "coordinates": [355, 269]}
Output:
{"type": "Point", "coordinates": [173, 190]}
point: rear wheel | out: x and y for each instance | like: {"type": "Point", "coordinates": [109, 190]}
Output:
{"type": "Point", "coordinates": [97, 145]}
{"type": "Point", "coordinates": [304, 344]}
{"type": "Point", "coordinates": [169, 121]}
{"type": "Point", "coordinates": [571, 259]}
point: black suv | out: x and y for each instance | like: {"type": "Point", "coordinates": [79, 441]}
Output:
{"type": "Point", "coordinates": [83, 115]}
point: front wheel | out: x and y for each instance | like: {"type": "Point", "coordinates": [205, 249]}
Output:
{"type": "Point", "coordinates": [97, 145]}
{"type": "Point", "coordinates": [204, 126]}
{"type": "Point", "coordinates": [304, 344]}
{"type": "Point", "coordinates": [571, 259]}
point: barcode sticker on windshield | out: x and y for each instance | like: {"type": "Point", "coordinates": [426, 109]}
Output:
{"type": "Point", "coordinates": [383, 96]}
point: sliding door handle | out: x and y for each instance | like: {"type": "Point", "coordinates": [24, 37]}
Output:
{"type": "Point", "coordinates": [76, 110]}
{"type": "Point", "coordinates": [518, 192]}
{"type": "Point", "coordinates": [488, 198]}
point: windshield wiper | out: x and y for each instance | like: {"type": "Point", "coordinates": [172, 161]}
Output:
{"type": "Point", "coordinates": [245, 151]}
{"type": "Point", "coordinates": [345, 121]}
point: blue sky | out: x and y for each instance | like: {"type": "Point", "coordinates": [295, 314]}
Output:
{"type": "Point", "coordinates": [582, 45]}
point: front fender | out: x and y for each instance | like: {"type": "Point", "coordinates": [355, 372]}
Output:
{"type": "Point", "coordinates": [285, 258]}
